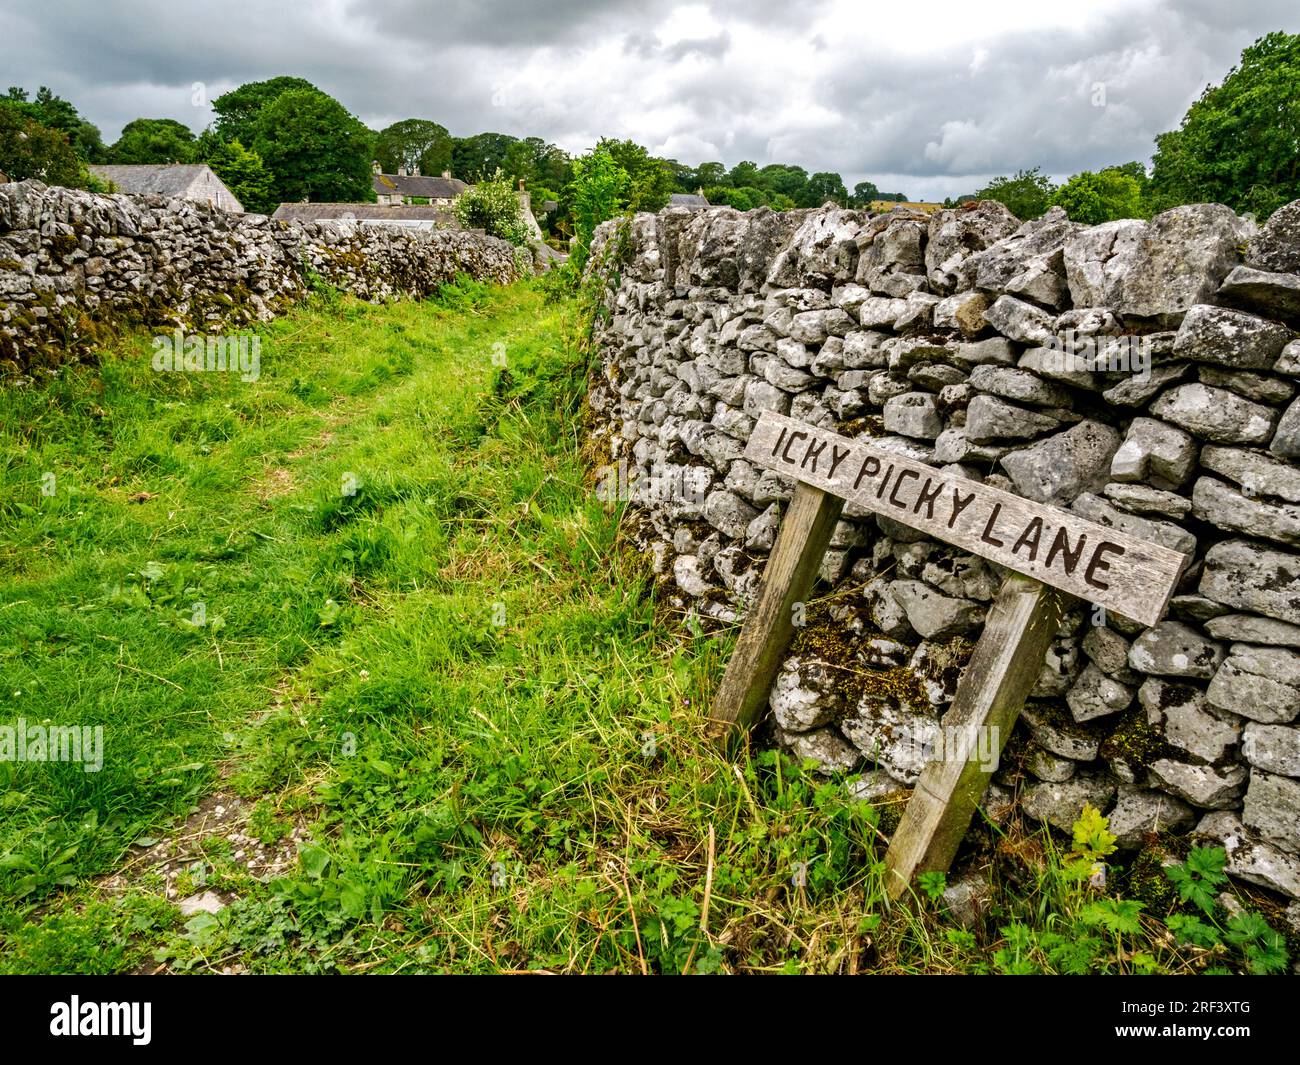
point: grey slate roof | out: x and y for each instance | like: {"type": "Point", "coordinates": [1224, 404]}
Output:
{"type": "Point", "coordinates": [158, 179]}
{"type": "Point", "coordinates": [433, 188]}
{"type": "Point", "coordinates": [687, 199]}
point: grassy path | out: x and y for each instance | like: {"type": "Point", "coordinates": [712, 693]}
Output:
{"type": "Point", "coordinates": [413, 629]}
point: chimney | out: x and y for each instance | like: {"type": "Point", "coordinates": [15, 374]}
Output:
{"type": "Point", "coordinates": [521, 184]}
{"type": "Point", "coordinates": [447, 174]}
{"type": "Point", "coordinates": [375, 168]}
{"type": "Point", "coordinates": [401, 171]}
{"type": "Point", "coordinates": [415, 171]}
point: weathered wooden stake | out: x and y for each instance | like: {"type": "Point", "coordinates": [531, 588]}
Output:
{"type": "Point", "coordinates": [805, 533]}
{"type": "Point", "coordinates": [992, 690]}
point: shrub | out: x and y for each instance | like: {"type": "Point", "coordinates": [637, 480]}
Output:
{"type": "Point", "coordinates": [493, 207]}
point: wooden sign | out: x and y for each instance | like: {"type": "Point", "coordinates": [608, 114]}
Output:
{"type": "Point", "coordinates": [1133, 577]}
{"type": "Point", "coordinates": [1054, 554]}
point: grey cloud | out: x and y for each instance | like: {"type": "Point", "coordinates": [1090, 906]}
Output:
{"type": "Point", "coordinates": [934, 121]}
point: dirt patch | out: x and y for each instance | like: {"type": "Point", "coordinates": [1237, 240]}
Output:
{"type": "Point", "coordinates": [276, 482]}
{"type": "Point", "coordinates": [216, 838]}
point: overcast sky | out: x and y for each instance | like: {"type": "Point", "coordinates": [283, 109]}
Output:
{"type": "Point", "coordinates": [927, 98]}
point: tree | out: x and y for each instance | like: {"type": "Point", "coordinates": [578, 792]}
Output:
{"type": "Point", "coordinates": [480, 156]}
{"type": "Point", "coordinates": [821, 188]}
{"type": "Point", "coordinates": [744, 199]}
{"type": "Point", "coordinates": [58, 114]}
{"type": "Point", "coordinates": [238, 110]}
{"type": "Point", "coordinates": [708, 174]}
{"type": "Point", "coordinates": [650, 179]}
{"type": "Point", "coordinates": [1239, 144]}
{"type": "Point", "coordinates": [744, 173]}
{"type": "Point", "coordinates": [154, 140]}
{"type": "Point", "coordinates": [865, 193]}
{"type": "Point", "coordinates": [599, 191]}
{"type": "Point", "coordinates": [789, 181]}
{"type": "Point", "coordinates": [31, 150]}
{"type": "Point", "coordinates": [411, 143]}
{"type": "Point", "coordinates": [1093, 198]}
{"type": "Point", "coordinates": [1026, 195]}
{"type": "Point", "coordinates": [245, 175]}
{"type": "Point", "coordinates": [314, 147]}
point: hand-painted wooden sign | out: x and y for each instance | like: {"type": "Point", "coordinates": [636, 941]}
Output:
{"type": "Point", "coordinates": [1049, 546]}
{"type": "Point", "coordinates": [1133, 577]}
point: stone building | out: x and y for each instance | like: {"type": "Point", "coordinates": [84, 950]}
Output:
{"type": "Point", "coordinates": [408, 186]}
{"type": "Point", "coordinates": [181, 181]}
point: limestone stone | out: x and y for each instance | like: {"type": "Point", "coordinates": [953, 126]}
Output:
{"type": "Point", "coordinates": [1062, 466]}
{"type": "Point", "coordinates": [1230, 338]}
{"type": "Point", "coordinates": [1261, 683]}
{"type": "Point", "coordinates": [1215, 414]}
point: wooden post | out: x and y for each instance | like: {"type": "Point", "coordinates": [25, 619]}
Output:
{"type": "Point", "coordinates": [805, 532]}
{"type": "Point", "coordinates": [992, 690]}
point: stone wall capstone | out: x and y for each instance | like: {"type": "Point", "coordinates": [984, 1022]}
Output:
{"type": "Point", "coordinates": [1141, 373]}
{"type": "Point", "coordinates": [75, 266]}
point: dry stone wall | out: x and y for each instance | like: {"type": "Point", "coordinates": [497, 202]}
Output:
{"type": "Point", "coordinates": [75, 266]}
{"type": "Point", "coordinates": [1140, 373]}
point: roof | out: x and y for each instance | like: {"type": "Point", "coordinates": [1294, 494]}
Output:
{"type": "Point", "coordinates": [363, 212]}
{"type": "Point", "coordinates": [687, 199]}
{"type": "Point", "coordinates": [158, 179]}
{"type": "Point", "coordinates": [432, 188]}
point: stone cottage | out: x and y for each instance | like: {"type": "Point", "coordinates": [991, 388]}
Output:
{"type": "Point", "coordinates": [181, 181]}
{"type": "Point", "coordinates": [408, 186]}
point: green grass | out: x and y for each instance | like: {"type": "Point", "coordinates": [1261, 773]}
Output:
{"type": "Point", "coordinates": [424, 637]}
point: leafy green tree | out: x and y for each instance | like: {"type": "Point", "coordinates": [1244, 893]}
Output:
{"type": "Point", "coordinates": [414, 142]}
{"type": "Point", "coordinates": [31, 150]}
{"type": "Point", "coordinates": [1026, 195]}
{"type": "Point", "coordinates": [791, 181]}
{"type": "Point", "coordinates": [821, 188]}
{"type": "Point", "coordinates": [1239, 144]}
{"type": "Point", "coordinates": [480, 156]}
{"type": "Point", "coordinates": [245, 175]}
{"type": "Point", "coordinates": [599, 191]}
{"type": "Point", "coordinates": [744, 173]}
{"type": "Point", "coordinates": [58, 114]}
{"type": "Point", "coordinates": [238, 110]}
{"type": "Point", "coordinates": [743, 199]}
{"type": "Point", "coordinates": [1103, 196]}
{"type": "Point", "coordinates": [314, 147]}
{"type": "Point", "coordinates": [865, 193]}
{"type": "Point", "coordinates": [154, 140]}
{"type": "Point", "coordinates": [650, 179]}
{"type": "Point", "coordinates": [707, 175]}
{"type": "Point", "coordinates": [493, 207]}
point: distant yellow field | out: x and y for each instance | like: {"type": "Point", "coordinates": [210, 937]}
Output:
{"type": "Point", "coordinates": [889, 205]}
